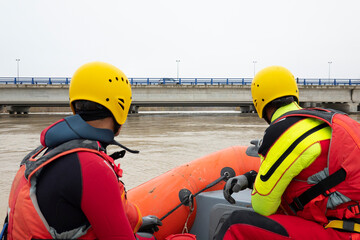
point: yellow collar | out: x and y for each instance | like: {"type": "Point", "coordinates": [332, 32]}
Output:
{"type": "Point", "coordinates": [287, 108]}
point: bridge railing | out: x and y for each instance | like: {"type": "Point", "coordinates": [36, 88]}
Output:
{"type": "Point", "coordinates": [180, 81]}
{"type": "Point", "coordinates": [35, 80]}
{"type": "Point", "coordinates": [326, 81]}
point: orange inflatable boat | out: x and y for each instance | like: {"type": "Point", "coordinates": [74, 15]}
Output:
{"type": "Point", "coordinates": [162, 196]}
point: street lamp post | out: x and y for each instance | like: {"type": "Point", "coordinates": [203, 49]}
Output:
{"type": "Point", "coordinates": [18, 63]}
{"type": "Point", "coordinates": [329, 68]}
{"type": "Point", "coordinates": [254, 62]}
{"type": "Point", "coordinates": [177, 66]}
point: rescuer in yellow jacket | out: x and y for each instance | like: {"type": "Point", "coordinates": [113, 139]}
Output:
{"type": "Point", "coordinates": [295, 193]}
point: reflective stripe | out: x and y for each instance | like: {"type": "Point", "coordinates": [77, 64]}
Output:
{"type": "Point", "coordinates": [277, 166]}
{"type": "Point", "coordinates": [289, 150]}
{"type": "Point", "coordinates": [32, 194]}
{"type": "Point", "coordinates": [266, 196]}
{"type": "Point", "coordinates": [139, 223]}
{"type": "Point", "coordinates": [349, 226]}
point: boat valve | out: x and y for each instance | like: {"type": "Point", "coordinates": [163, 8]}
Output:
{"type": "Point", "coordinates": [185, 197]}
{"type": "Point", "coordinates": [228, 172]}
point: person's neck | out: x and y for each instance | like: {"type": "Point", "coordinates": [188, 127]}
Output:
{"type": "Point", "coordinates": [105, 123]}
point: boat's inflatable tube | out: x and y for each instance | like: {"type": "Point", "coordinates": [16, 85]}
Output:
{"type": "Point", "coordinates": [161, 194]}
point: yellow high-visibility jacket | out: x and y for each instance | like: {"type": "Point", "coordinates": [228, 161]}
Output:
{"type": "Point", "coordinates": [286, 150]}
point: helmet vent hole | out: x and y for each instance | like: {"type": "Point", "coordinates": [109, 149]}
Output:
{"type": "Point", "coordinates": [258, 85]}
{"type": "Point", "coordinates": [262, 100]}
{"type": "Point", "coordinates": [121, 105]}
{"type": "Point", "coordinates": [110, 80]}
{"type": "Point", "coordinates": [116, 78]}
{"type": "Point", "coordinates": [122, 78]}
{"type": "Point", "coordinates": [127, 81]}
{"type": "Point", "coordinates": [107, 99]}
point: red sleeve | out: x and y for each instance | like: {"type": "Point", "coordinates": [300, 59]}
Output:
{"type": "Point", "coordinates": [101, 199]}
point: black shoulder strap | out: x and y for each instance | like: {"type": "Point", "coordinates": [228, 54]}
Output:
{"type": "Point", "coordinates": [73, 144]}
{"type": "Point", "coordinates": [319, 188]}
{"type": "Point", "coordinates": [323, 114]}
{"type": "Point", "coordinates": [285, 121]}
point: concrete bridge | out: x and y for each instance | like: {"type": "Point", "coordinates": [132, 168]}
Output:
{"type": "Point", "coordinates": [19, 97]}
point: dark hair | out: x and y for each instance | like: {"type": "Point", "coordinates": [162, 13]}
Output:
{"type": "Point", "coordinates": [277, 103]}
{"type": "Point", "coordinates": [89, 111]}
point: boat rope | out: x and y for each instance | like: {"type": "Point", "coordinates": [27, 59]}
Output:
{"type": "Point", "coordinates": [185, 201]}
{"type": "Point", "coordinates": [191, 207]}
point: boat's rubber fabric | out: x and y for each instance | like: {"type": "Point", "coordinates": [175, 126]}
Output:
{"type": "Point", "coordinates": [243, 224]}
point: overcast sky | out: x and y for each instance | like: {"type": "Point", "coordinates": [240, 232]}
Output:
{"type": "Point", "coordinates": [144, 38]}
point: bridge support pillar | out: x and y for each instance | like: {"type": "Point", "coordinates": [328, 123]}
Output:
{"type": "Point", "coordinates": [18, 109]}
{"type": "Point", "coordinates": [134, 109]}
{"type": "Point", "coordinates": [309, 104]}
{"type": "Point", "coordinates": [353, 107]}
{"type": "Point", "coordinates": [244, 109]}
{"type": "Point", "coordinates": [247, 109]}
{"type": "Point", "coordinates": [344, 107]}
{"type": "Point", "coordinates": [252, 108]}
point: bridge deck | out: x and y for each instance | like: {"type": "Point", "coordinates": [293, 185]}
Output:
{"type": "Point", "coordinates": [177, 95]}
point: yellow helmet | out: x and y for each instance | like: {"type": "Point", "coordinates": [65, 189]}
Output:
{"type": "Point", "coordinates": [104, 84]}
{"type": "Point", "coordinates": [271, 83]}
